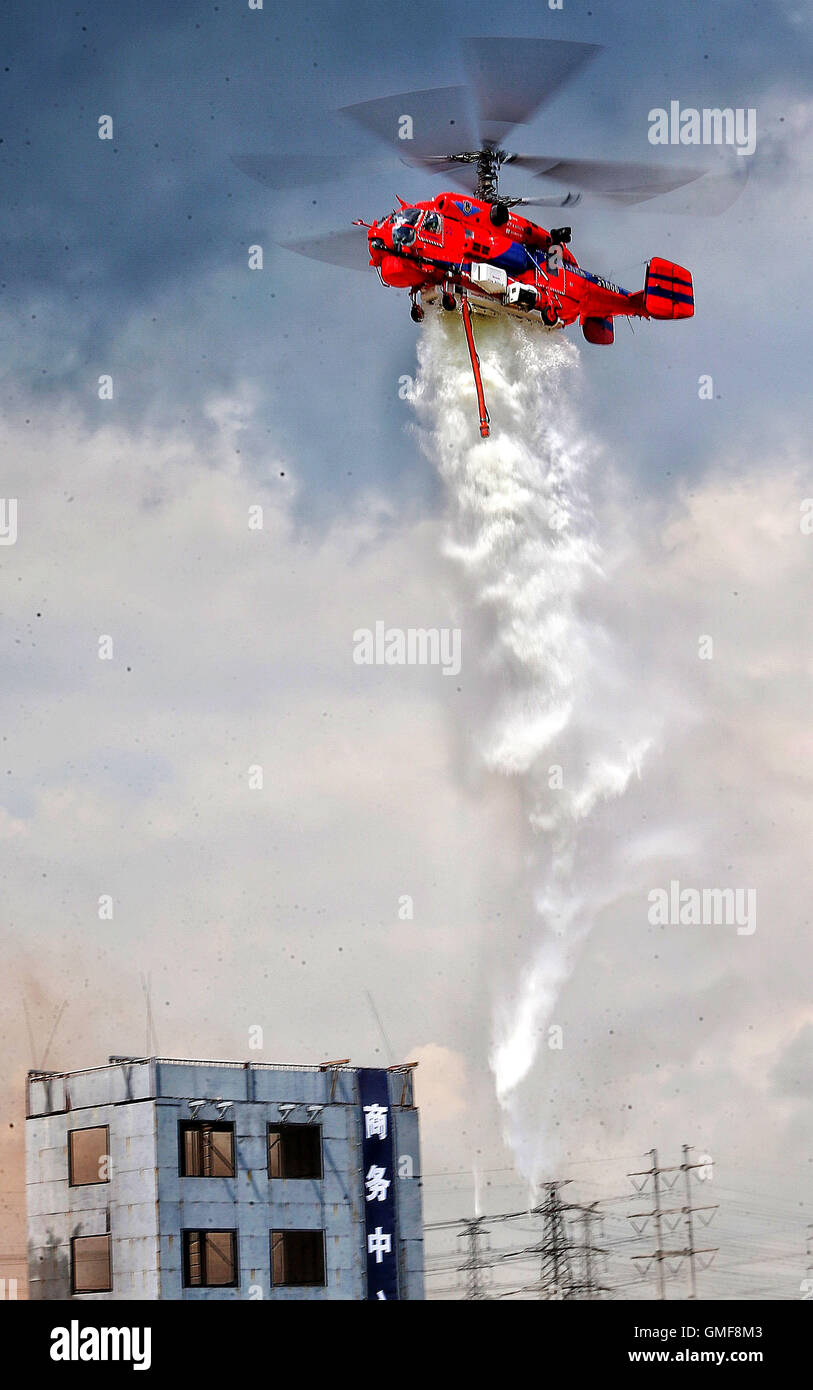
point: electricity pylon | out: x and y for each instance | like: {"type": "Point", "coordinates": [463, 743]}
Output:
{"type": "Point", "coordinates": [662, 1215]}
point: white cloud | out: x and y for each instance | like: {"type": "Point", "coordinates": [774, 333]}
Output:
{"type": "Point", "coordinates": [280, 906]}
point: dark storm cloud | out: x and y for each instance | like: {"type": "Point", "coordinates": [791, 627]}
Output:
{"type": "Point", "coordinates": [129, 256]}
{"type": "Point", "coordinates": [239, 643]}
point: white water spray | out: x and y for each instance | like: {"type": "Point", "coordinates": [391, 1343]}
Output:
{"type": "Point", "coordinates": [560, 716]}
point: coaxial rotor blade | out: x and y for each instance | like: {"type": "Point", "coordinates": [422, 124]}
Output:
{"type": "Point", "coordinates": [347, 248]}
{"type": "Point", "coordinates": [567, 200]}
{"type": "Point", "coordinates": [459, 172]}
{"type": "Point", "coordinates": [628, 183]}
{"type": "Point", "coordinates": [512, 78]}
{"type": "Point", "coordinates": [465, 175]}
{"type": "Point", "coordinates": [709, 196]}
{"type": "Point", "coordinates": [438, 121]}
{"type": "Point", "coordinates": [292, 170]}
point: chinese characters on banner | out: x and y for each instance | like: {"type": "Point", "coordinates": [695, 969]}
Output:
{"type": "Point", "coordinates": [378, 1173]}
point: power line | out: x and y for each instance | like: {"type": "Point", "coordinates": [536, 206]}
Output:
{"type": "Point", "coordinates": [473, 1266]}
{"type": "Point", "coordinates": [660, 1180]}
{"type": "Point", "coordinates": [566, 1267]}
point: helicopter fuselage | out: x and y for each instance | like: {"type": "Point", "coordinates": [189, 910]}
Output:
{"type": "Point", "coordinates": [482, 255]}
{"type": "Point", "coordinates": [504, 263]}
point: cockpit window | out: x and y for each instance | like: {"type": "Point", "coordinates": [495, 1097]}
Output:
{"type": "Point", "coordinates": [432, 223]}
{"type": "Point", "coordinates": [403, 226]}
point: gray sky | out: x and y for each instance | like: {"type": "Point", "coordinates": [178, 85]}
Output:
{"type": "Point", "coordinates": [233, 647]}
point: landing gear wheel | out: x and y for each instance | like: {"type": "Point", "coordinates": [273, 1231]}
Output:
{"type": "Point", "coordinates": [549, 317]}
{"type": "Point", "coordinates": [448, 301]}
{"type": "Point", "coordinates": [416, 313]}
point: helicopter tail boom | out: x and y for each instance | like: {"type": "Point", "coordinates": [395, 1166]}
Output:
{"type": "Point", "coordinates": [668, 293]}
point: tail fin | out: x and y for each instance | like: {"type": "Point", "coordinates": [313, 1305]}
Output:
{"type": "Point", "coordinates": [668, 291]}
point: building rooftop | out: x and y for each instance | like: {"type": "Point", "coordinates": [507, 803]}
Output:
{"type": "Point", "coordinates": [124, 1079]}
{"type": "Point", "coordinates": [343, 1065]}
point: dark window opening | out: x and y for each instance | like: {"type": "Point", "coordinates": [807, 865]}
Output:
{"type": "Point", "coordinates": [207, 1150]}
{"type": "Point", "coordinates": [403, 226]}
{"type": "Point", "coordinates": [90, 1264]}
{"type": "Point", "coordinates": [209, 1259]}
{"type": "Point", "coordinates": [88, 1156]}
{"type": "Point", "coordinates": [298, 1257]}
{"type": "Point", "coordinates": [295, 1151]}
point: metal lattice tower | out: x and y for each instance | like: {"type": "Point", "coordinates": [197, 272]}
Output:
{"type": "Point", "coordinates": [566, 1266]}
{"type": "Point", "coordinates": [556, 1278]}
{"type": "Point", "coordinates": [473, 1266]}
{"type": "Point", "coordinates": [671, 1260]}
{"type": "Point", "coordinates": [588, 1286]}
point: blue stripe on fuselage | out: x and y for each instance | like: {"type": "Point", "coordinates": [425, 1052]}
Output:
{"type": "Point", "coordinates": [573, 269]}
{"type": "Point", "coordinates": [515, 260]}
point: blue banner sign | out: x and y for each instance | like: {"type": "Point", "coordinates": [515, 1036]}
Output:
{"type": "Point", "coordinates": [378, 1174]}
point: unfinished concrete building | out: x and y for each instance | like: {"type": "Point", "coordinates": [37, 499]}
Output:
{"type": "Point", "coordinates": [157, 1179]}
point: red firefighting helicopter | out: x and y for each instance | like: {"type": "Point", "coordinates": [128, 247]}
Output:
{"type": "Point", "coordinates": [472, 250]}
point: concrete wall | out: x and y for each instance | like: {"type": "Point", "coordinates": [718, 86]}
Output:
{"type": "Point", "coordinates": [255, 1204]}
{"type": "Point", "coordinates": [410, 1203]}
{"type": "Point", "coordinates": [146, 1186]}
{"type": "Point", "coordinates": [57, 1212]}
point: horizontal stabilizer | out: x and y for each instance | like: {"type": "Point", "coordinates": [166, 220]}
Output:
{"type": "Point", "coordinates": [598, 331]}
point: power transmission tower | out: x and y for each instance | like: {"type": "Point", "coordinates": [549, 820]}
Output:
{"type": "Point", "coordinates": [555, 1269]}
{"type": "Point", "coordinates": [662, 1179]}
{"type": "Point", "coordinates": [587, 1286]}
{"type": "Point", "coordinates": [473, 1265]}
{"type": "Point", "coordinates": [478, 1257]}
{"type": "Point", "coordinates": [567, 1267]}
{"type": "Point", "coordinates": [557, 1254]}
